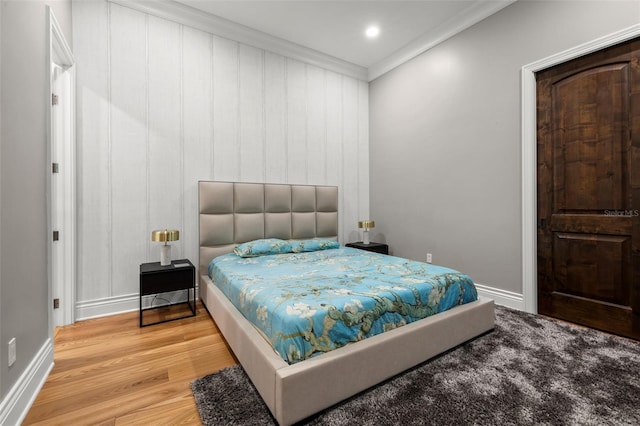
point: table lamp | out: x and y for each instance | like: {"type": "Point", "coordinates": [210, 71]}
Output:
{"type": "Point", "coordinates": [164, 236]}
{"type": "Point", "coordinates": [365, 225]}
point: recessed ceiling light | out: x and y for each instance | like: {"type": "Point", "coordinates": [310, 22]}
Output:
{"type": "Point", "coordinates": [372, 31]}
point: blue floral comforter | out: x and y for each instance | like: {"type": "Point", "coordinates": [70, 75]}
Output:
{"type": "Point", "coordinates": [311, 303]}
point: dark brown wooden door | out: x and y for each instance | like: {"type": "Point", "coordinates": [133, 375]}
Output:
{"type": "Point", "coordinates": [589, 190]}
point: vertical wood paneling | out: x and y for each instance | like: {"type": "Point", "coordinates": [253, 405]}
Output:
{"type": "Point", "coordinates": [363, 149]}
{"type": "Point", "coordinates": [164, 132]}
{"type": "Point", "coordinates": [226, 130]}
{"type": "Point", "coordinates": [275, 118]}
{"type": "Point", "coordinates": [316, 125]}
{"type": "Point", "coordinates": [296, 121]}
{"type": "Point", "coordinates": [91, 19]}
{"type": "Point", "coordinates": [129, 159]}
{"type": "Point", "coordinates": [251, 124]}
{"type": "Point", "coordinates": [335, 158]}
{"type": "Point", "coordinates": [197, 111]}
{"type": "Point", "coordinates": [161, 106]}
{"type": "Point", "coordinates": [350, 190]}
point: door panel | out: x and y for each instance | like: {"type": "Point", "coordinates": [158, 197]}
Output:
{"type": "Point", "coordinates": [588, 192]}
{"type": "Point", "coordinates": [590, 114]}
{"type": "Point", "coordinates": [593, 266]}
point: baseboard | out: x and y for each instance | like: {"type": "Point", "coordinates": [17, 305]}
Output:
{"type": "Point", "coordinates": [501, 297]}
{"type": "Point", "coordinates": [128, 303]}
{"type": "Point", "coordinates": [108, 306]}
{"type": "Point", "coordinates": [15, 406]}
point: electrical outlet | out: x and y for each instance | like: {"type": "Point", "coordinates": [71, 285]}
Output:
{"type": "Point", "coordinates": [12, 351]}
{"type": "Point", "coordinates": [429, 258]}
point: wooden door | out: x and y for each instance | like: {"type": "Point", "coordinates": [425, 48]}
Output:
{"type": "Point", "coordinates": [588, 113]}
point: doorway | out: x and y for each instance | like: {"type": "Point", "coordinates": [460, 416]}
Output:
{"type": "Point", "coordinates": [61, 178]}
{"type": "Point", "coordinates": [588, 190]}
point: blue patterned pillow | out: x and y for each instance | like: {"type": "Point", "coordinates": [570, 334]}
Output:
{"type": "Point", "coordinates": [314, 245]}
{"type": "Point", "coordinates": [262, 247]}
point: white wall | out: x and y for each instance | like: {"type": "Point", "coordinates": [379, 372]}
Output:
{"type": "Point", "coordinates": [445, 127]}
{"type": "Point", "coordinates": [2, 391]}
{"type": "Point", "coordinates": [161, 105]}
{"type": "Point", "coordinates": [24, 299]}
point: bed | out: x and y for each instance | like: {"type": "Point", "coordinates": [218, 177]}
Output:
{"type": "Point", "coordinates": [231, 213]}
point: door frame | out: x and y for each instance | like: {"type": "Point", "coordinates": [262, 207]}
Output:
{"type": "Point", "coordinates": [63, 274]}
{"type": "Point", "coordinates": [529, 154]}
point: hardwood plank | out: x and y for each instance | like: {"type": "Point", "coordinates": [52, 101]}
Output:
{"type": "Point", "coordinates": [172, 412]}
{"type": "Point", "coordinates": [108, 371]}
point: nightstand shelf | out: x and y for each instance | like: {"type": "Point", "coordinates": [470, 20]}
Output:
{"type": "Point", "coordinates": [374, 247]}
{"type": "Point", "coordinates": [156, 279]}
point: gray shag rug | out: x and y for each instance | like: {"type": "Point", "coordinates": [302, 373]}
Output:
{"type": "Point", "coordinates": [530, 370]}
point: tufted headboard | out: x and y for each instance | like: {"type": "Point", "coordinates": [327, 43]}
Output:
{"type": "Point", "coordinates": [234, 212]}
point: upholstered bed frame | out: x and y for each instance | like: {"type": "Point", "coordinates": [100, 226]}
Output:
{"type": "Point", "coordinates": [232, 213]}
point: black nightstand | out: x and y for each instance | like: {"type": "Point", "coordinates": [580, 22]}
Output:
{"type": "Point", "coordinates": [155, 279]}
{"type": "Point", "coordinates": [375, 247]}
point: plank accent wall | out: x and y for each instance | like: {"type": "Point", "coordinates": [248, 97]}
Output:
{"type": "Point", "coordinates": [161, 105]}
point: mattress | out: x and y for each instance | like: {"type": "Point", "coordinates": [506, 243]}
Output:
{"type": "Point", "coordinates": [310, 303]}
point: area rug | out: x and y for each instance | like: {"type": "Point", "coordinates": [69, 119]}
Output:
{"type": "Point", "coordinates": [530, 370]}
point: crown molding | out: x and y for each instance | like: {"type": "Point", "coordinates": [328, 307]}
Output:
{"type": "Point", "coordinates": [465, 19]}
{"type": "Point", "coordinates": [221, 27]}
{"type": "Point", "coordinates": [183, 14]}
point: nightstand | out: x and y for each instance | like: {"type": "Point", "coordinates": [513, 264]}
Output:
{"type": "Point", "coordinates": [374, 247]}
{"type": "Point", "coordinates": [156, 279]}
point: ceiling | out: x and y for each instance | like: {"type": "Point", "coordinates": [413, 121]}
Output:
{"type": "Point", "coordinates": [337, 27]}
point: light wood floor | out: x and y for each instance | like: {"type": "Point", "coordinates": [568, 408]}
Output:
{"type": "Point", "coordinates": [109, 371]}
